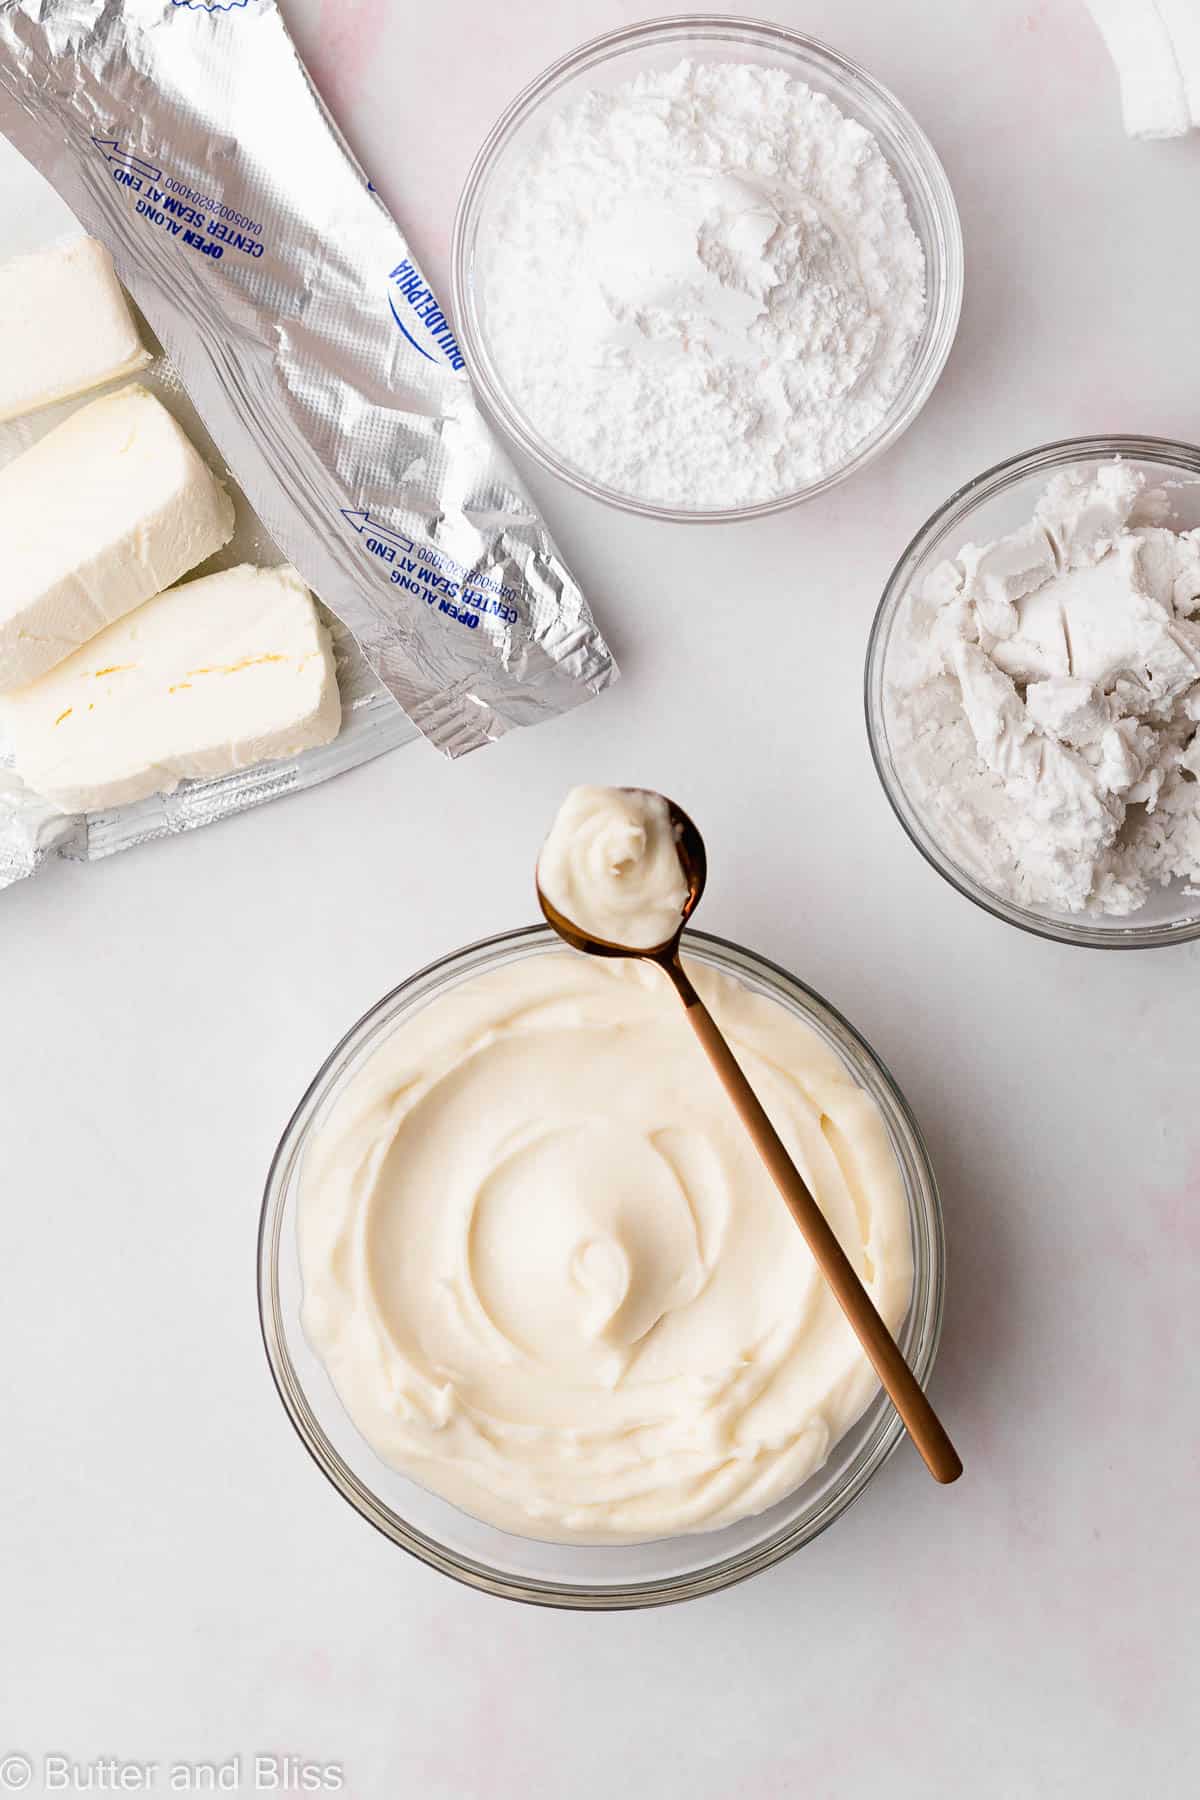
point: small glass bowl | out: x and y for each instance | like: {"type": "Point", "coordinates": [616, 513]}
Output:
{"type": "Point", "coordinates": [607, 61]}
{"type": "Point", "coordinates": [1000, 500]}
{"type": "Point", "coordinates": [586, 1577]}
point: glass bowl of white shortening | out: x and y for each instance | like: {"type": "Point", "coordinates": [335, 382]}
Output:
{"type": "Point", "coordinates": [659, 45]}
{"type": "Point", "coordinates": [584, 1576]}
{"type": "Point", "coordinates": [999, 501]}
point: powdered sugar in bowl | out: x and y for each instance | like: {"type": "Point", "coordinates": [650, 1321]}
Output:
{"type": "Point", "coordinates": [705, 268]}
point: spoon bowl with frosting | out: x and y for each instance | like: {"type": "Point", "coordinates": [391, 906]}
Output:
{"type": "Point", "coordinates": [622, 870]}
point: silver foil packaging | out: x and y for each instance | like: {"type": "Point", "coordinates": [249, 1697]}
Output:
{"type": "Point", "coordinates": [187, 136]}
{"type": "Point", "coordinates": [31, 829]}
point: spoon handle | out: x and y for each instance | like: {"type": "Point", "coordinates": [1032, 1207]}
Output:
{"type": "Point", "coordinates": [924, 1426]}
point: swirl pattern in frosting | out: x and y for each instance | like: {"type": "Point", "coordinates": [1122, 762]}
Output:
{"type": "Point", "coordinates": [549, 1277]}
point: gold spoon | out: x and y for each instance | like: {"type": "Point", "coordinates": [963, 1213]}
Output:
{"type": "Point", "coordinates": [923, 1424]}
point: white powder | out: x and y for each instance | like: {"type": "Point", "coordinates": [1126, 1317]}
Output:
{"type": "Point", "coordinates": [702, 289]}
{"type": "Point", "coordinates": [1042, 698]}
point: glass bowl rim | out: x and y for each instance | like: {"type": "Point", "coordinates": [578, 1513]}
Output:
{"type": "Point", "coordinates": [929, 1285]}
{"type": "Point", "coordinates": [955, 512]}
{"type": "Point", "coordinates": [922, 163]}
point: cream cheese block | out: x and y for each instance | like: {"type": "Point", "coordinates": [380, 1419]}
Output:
{"type": "Point", "coordinates": [214, 675]}
{"type": "Point", "coordinates": [65, 325]}
{"type": "Point", "coordinates": [109, 508]}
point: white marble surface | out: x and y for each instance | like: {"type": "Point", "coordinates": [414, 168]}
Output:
{"type": "Point", "coordinates": [176, 1580]}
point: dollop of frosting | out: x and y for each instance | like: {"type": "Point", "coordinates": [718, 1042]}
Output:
{"type": "Point", "coordinates": [550, 1278]}
{"type": "Point", "coordinates": [611, 866]}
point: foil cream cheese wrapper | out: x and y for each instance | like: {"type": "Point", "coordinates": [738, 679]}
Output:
{"type": "Point", "coordinates": [187, 136]}
{"type": "Point", "coordinates": [33, 217]}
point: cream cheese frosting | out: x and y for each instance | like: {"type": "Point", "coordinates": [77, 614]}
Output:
{"type": "Point", "coordinates": [611, 866]}
{"type": "Point", "coordinates": [551, 1280]}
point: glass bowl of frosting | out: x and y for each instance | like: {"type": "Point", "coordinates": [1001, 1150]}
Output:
{"type": "Point", "coordinates": [1033, 691]}
{"type": "Point", "coordinates": [534, 1308]}
{"type": "Point", "coordinates": [704, 268]}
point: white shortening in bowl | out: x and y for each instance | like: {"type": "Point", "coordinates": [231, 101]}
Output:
{"type": "Point", "coordinates": [1043, 697]}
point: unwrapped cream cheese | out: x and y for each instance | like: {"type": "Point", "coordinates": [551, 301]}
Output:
{"type": "Point", "coordinates": [1042, 697]}
{"type": "Point", "coordinates": [549, 1275]}
{"type": "Point", "coordinates": [106, 510]}
{"type": "Point", "coordinates": [214, 675]}
{"type": "Point", "coordinates": [65, 325]}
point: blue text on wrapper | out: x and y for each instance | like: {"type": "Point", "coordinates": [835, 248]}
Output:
{"type": "Point", "coordinates": [432, 576]}
{"type": "Point", "coordinates": [416, 311]}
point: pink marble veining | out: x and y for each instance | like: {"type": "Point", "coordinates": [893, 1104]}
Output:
{"type": "Point", "coordinates": [1176, 1211]}
{"type": "Point", "coordinates": [349, 33]}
